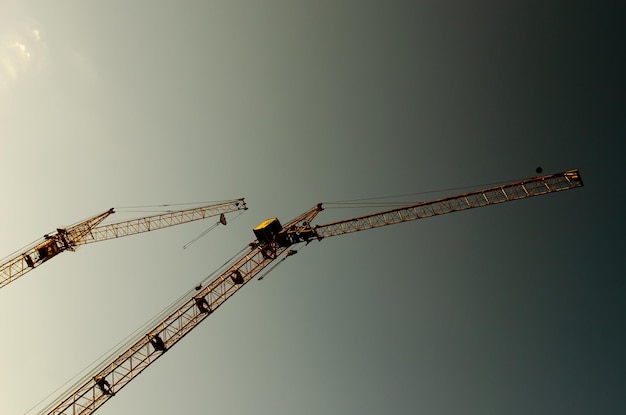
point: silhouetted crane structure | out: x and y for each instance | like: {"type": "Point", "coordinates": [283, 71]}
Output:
{"type": "Point", "coordinates": [88, 231]}
{"type": "Point", "coordinates": [274, 241]}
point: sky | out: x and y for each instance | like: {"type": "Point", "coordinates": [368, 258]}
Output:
{"type": "Point", "coordinates": [514, 309]}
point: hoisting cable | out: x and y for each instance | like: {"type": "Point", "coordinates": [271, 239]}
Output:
{"type": "Point", "coordinates": [208, 202]}
{"type": "Point", "coordinates": [134, 210]}
{"type": "Point", "coordinates": [204, 232]}
{"type": "Point", "coordinates": [376, 201]}
{"type": "Point", "coordinates": [224, 266]}
{"type": "Point", "coordinates": [12, 255]}
{"type": "Point", "coordinates": [30, 245]}
{"type": "Point", "coordinates": [162, 208]}
{"type": "Point", "coordinates": [270, 269]}
{"type": "Point", "coordinates": [21, 250]}
{"type": "Point", "coordinates": [105, 359]}
{"type": "Point", "coordinates": [288, 253]}
{"type": "Point", "coordinates": [210, 228]}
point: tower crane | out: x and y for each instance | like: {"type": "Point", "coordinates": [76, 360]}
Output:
{"type": "Point", "coordinates": [274, 241]}
{"type": "Point", "coordinates": [89, 231]}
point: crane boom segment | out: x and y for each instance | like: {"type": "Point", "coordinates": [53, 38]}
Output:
{"type": "Point", "coordinates": [88, 231]}
{"type": "Point", "coordinates": [46, 248]}
{"type": "Point", "coordinates": [513, 191]}
{"type": "Point", "coordinates": [89, 396]}
{"type": "Point", "coordinates": [152, 223]}
{"type": "Point", "coordinates": [273, 240]}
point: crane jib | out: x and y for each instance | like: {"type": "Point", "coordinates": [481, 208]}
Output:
{"type": "Point", "coordinates": [91, 230]}
{"type": "Point", "coordinates": [522, 189]}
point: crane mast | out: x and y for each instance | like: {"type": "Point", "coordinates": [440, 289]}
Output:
{"type": "Point", "coordinates": [273, 241]}
{"type": "Point", "coordinates": [88, 231]}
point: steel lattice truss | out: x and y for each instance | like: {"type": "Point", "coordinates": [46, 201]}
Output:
{"type": "Point", "coordinates": [500, 194]}
{"type": "Point", "coordinates": [88, 231]}
{"type": "Point", "coordinates": [94, 391]}
{"type": "Point", "coordinates": [43, 250]}
{"type": "Point", "coordinates": [153, 223]}
{"type": "Point", "coordinates": [89, 396]}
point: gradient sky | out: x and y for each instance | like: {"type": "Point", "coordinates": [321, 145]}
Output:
{"type": "Point", "coordinates": [514, 309]}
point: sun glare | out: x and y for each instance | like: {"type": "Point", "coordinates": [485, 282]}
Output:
{"type": "Point", "coordinates": [22, 49]}
{"type": "Point", "coordinates": [19, 51]}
